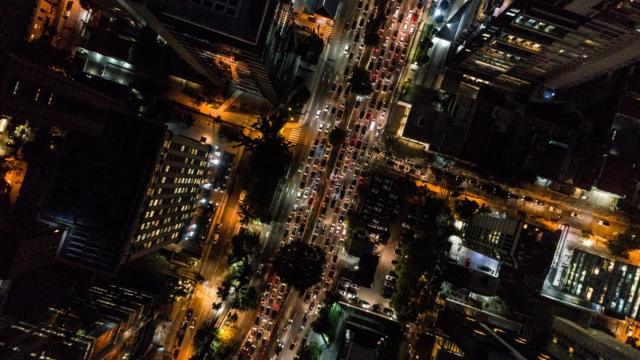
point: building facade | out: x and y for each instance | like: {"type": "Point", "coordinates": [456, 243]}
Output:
{"type": "Point", "coordinates": [606, 282]}
{"type": "Point", "coordinates": [571, 341]}
{"type": "Point", "coordinates": [523, 44]}
{"type": "Point", "coordinates": [102, 323]}
{"type": "Point", "coordinates": [172, 194]}
{"type": "Point", "coordinates": [241, 45]}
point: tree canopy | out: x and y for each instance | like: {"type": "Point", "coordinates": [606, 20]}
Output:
{"type": "Point", "coordinates": [309, 351]}
{"type": "Point", "coordinates": [310, 47]}
{"type": "Point", "coordinates": [623, 244]}
{"type": "Point", "coordinates": [270, 159]}
{"type": "Point", "coordinates": [361, 82]}
{"type": "Point", "coordinates": [466, 208]}
{"type": "Point", "coordinates": [423, 253]}
{"type": "Point", "coordinates": [300, 264]}
{"type": "Point", "coordinates": [337, 136]}
{"type": "Point", "coordinates": [299, 98]}
{"type": "Point", "coordinates": [244, 245]}
{"type": "Point", "coordinates": [371, 39]}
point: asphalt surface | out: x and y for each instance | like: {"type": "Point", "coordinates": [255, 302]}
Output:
{"type": "Point", "coordinates": [321, 190]}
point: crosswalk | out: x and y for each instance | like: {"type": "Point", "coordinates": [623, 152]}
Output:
{"type": "Point", "coordinates": [295, 135]}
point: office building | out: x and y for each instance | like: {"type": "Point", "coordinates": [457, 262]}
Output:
{"type": "Point", "coordinates": [40, 95]}
{"type": "Point", "coordinates": [555, 44]}
{"type": "Point", "coordinates": [242, 45]}
{"type": "Point", "coordinates": [101, 323]}
{"type": "Point", "coordinates": [572, 341]}
{"type": "Point", "coordinates": [172, 194]}
{"type": "Point", "coordinates": [133, 204]}
{"type": "Point", "coordinates": [494, 235]}
{"type": "Point", "coordinates": [609, 284]}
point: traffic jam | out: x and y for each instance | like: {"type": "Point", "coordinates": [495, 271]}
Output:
{"type": "Point", "coordinates": [329, 177]}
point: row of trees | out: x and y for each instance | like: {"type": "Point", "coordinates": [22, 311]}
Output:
{"type": "Point", "coordinates": [245, 248]}
{"type": "Point", "coordinates": [269, 162]}
{"type": "Point", "coordinates": [423, 254]}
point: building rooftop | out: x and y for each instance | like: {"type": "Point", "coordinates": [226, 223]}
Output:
{"type": "Point", "coordinates": [243, 25]}
{"type": "Point", "coordinates": [98, 186]}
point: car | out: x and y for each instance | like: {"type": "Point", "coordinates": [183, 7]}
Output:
{"type": "Point", "coordinates": [346, 49]}
{"type": "Point", "coordinates": [388, 312]}
{"type": "Point", "coordinates": [603, 222]}
{"type": "Point", "coordinates": [576, 215]}
{"type": "Point", "coordinates": [292, 345]}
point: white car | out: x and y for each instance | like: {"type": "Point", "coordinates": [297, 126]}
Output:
{"type": "Point", "coordinates": [318, 113]}
{"type": "Point", "coordinates": [346, 49]}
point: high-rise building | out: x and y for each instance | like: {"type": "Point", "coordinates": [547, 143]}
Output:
{"type": "Point", "coordinates": [241, 44]}
{"type": "Point", "coordinates": [553, 43]}
{"type": "Point", "coordinates": [101, 323]}
{"type": "Point", "coordinates": [128, 206]}
{"type": "Point", "coordinates": [493, 235]}
{"type": "Point", "coordinates": [172, 194]}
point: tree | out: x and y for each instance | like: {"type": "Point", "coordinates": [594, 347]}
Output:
{"type": "Point", "coordinates": [270, 159]}
{"type": "Point", "coordinates": [299, 98]}
{"type": "Point", "coordinates": [361, 82]}
{"type": "Point", "coordinates": [371, 39]}
{"type": "Point", "coordinates": [246, 298]}
{"type": "Point", "coordinates": [310, 47]}
{"type": "Point", "coordinates": [337, 136]}
{"type": "Point", "coordinates": [623, 244]}
{"type": "Point", "coordinates": [244, 245]}
{"type": "Point", "coordinates": [418, 273]}
{"type": "Point", "coordinates": [309, 351]}
{"type": "Point", "coordinates": [322, 325]}
{"type": "Point", "coordinates": [300, 264]}
{"type": "Point", "coordinates": [247, 213]}
{"type": "Point", "coordinates": [466, 208]}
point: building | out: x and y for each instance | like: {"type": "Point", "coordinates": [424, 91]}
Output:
{"type": "Point", "coordinates": [243, 44]}
{"type": "Point", "coordinates": [172, 194]}
{"type": "Point", "coordinates": [60, 21]}
{"type": "Point", "coordinates": [494, 235]}
{"type": "Point", "coordinates": [136, 200]}
{"type": "Point", "coordinates": [40, 95]}
{"type": "Point", "coordinates": [609, 284]}
{"type": "Point", "coordinates": [555, 44]}
{"type": "Point", "coordinates": [103, 320]}
{"type": "Point", "coordinates": [572, 341]}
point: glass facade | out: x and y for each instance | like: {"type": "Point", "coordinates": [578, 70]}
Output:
{"type": "Point", "coordinates": [607, 282]}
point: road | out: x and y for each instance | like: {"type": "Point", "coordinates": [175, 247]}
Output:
{"type": "Point", "coordinates": [322, 189]}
